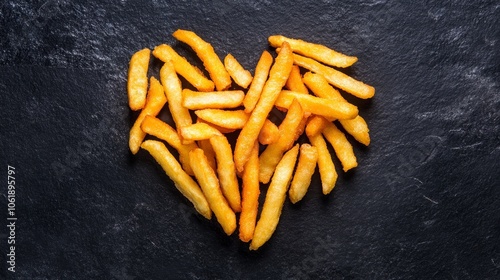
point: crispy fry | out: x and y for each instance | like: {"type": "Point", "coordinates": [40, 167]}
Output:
{"type": "Point", "coordinates": [336, 78]}
{"type": "Point", "coordinates": [250, 132]}
{"type": "Point", "coordinates": [137, 82]}
{"type": "Point", "coordinates": [222, 130]}
{"type": "Point", "coordinates": [319, 106]}
{"type": "Point", "coordinates": [358, 128]}
{"type": "Point", "coordinates": [319, 52]}
{"type": "Point", "coordinates": [226, 171]}
{"type": "Point", "coordinates": [209, 152]}
{"type": "Point", "coordinates": [206, 53]}
{"type": "Point", "coordinates": [321, 88]}
{"type": "Point", "coordinates": [198, 131]}
{"type": "Point", "coordinates": [315, 125]}
{"type": "Point", "coordinates": [326, 167]}
{"type": "Point", "coordinates": [275, 197]}
{"type": "Point", "coordinates": [164, 131]}
{"type": "Point", "coordinates": [210, 185]}
{"type": "Point", "coordinates": [155, 101]}
{"type": "Point", "coordinates": [294, 82]}
{"type": "Point", "coordinates": [224, 118]}
{"type": "Point", "coordinates": [184, 68]}
{"type": "Point", "coordinates": [305, 169]}
{"type": "Point", "coordinates": [342, 147]}
{"type": "Point", "coordinates": [250, 195]}
{"type": "Point", "coordinates": [173, 91]}
{"type": "Point", "coordinates": [241, 77]}
{"type": "Point", "coordinates": [271, 156]}
{"type": "Point", "coordinates": [259, 79]}
{"type": "Point", "coordinates": [195, 100]}
{"type": "Point", "coordinates": [269, 133]}
{"type": "Point", "coordinates": [183, 182]}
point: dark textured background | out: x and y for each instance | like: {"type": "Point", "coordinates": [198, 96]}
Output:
{"type": "Point", "coordinates": [423, 203]}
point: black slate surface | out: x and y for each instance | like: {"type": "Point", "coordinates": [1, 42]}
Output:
{"type": "Point", "coordinates": [423, 203]}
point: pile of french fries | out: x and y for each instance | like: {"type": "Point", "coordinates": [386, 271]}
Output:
{"type": "Point", "coordinates": [206, 170]}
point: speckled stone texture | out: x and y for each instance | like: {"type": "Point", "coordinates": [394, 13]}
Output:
{"type": "Point", "coordinates": [423, 203]}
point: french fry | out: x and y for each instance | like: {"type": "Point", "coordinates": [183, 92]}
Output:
{"type": "Point", "coordinates": [183, 67]}
{"type": "Point", "coordinates": [155, 101]}
{"type": "Point", "coordinates": [195, 100]}
{"type": "Point", "coordinates": [222, 130]}
{"type": "Point", "coordinates": [241, 77]}
{"type": "Point", "coordinates": [173, 91]}
{"type": "Point", "coordinates": [330, 109]}
{"type": "Point", "coordinates": [315, 125]}
{"type": "Point", "coordinates": [137, 81]}
{"type": "Point", "coordinates": [294, 82]}
{"type": "Point", "coordinates": [206, 53]}
{"type": "Point", "coordinates": [321, 88]}
{"type": "Point", "coordinates": [250, 195]}
{"type": "Point", "coordinates": [209, 152]}
{"type": "Point", "coordinates": [250, 132]}
{"type": "Point", "coordinates": [336, 78]}
{"type": "Point", "coordinates": [228, 119]}
{"type": "Point", "coordinates": [182, 181]}
{"type": "Point", "coordinates": [226, 171]}
{"type": "Point", "coordinates": [318, 52]}
{"type": "Point", "coordinates": [326, 167]}
{"type": "Point", "coordinates": [271, 156]}
{"type": "Point", "coordinates": [164, 131]}
{"type": "Point", "coordinates": [305, 169]}
{"type": "Point", "coordinates": [275, 197]}
{"type": "Point", "coordinates": [269, 133]}
{"type": "Point", "coordinates": [259, 79]}
{"type": "Point", "coordinates": [198, 131]}
{"type": "Point", "coordinates": [210, 185]}
{"type": "Point", "coordinates": [358, 128]}
{"type": "Point", "coordinates": [342, 147]}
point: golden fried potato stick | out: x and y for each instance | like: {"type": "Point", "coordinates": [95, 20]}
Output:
{"type": "Point", "coordinates": [336, 78]}
{"type": "Point", "coordinates": [328, 108]}
{"type": "Point", "coordinates": [183, 67]}
{"type": "Point", "coordinates": [342, 147]}
{"type": "Point", "coordinates": [182, 181]}
{"type": "Point", "coordinates": [305, 169]}
{"type": "Point", "coordinates": [321, 88]}
{"type": "Point", "coordinates": [269, 133]}
{"type": "Point", "coordinates": [198, 131]}
{"type": "Point", "coordinates": [209, 152]}
{"type": "Point", "coordinates": [358, 128]}
{"type": "Point", "coordinates": [235, 119]}
{"type": "Point", "coordinates": [195, 100]}
{"type": "Point", "coordinates": [275, 197]}
{"type": "Point", "coordinates": [210, 185]}
{"type": "Point", "coordinates": [259, 79]}
{"type": "Point", "coordinates": [227, 171]}
{"type": "Point", "coordinates": [164, 131]}
{"type": "Point", "coordinates": [206, 53]}
{"type": "Point", "coordinates": [250, 195]}
{"type": "Point", "coordinates": [173, 91]}
{"type": "Point", "coordinates": [294, 82]}
{"type": "Point", "coordinates": [155, 101]}
{"type": "Point", "coordinates": [326, 167]}
{"type": "Point", "coordinates": [271, 156]}
{"type": "Point", "coordinates": [319, 52]}
{"type": "Point", "coordinates": [137, 82]}
{"type": "Point", "coordinates": [241, 77]}
{"type": "Point", "coordinates": [250, 132]}
{"type": "Point", "coordinates": [223, 130]}
{"type": "Point", "coordinates": [316, 124]}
